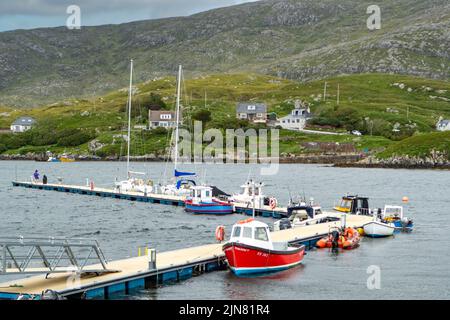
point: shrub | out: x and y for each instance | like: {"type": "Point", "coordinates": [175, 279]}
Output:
{"type": "Point", "coordinates": [159, 131]}
{"type": "Point", "coordinates": [76, 138]}
{"type": "Point", "coordinates": [109, 150]}
{"type": "Point", "coordinates": [202, 115]}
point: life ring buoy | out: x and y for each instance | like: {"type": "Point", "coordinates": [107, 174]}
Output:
{"type": "Point", "coordinates": [273, 203]}
{"type": "Point", "coordinates": [220, 233]}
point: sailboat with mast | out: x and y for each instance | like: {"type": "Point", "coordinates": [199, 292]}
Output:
{"type": "Point", "coordinates": [182, 183]}
{"type": "Point", "coordinates": [132, 183]}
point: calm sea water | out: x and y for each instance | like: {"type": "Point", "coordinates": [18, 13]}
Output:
{"type": "Point", "coordinates": [412, 265]}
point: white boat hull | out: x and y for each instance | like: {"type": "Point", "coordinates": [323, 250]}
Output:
{"type": "Point", "coordinates": [376, 229]}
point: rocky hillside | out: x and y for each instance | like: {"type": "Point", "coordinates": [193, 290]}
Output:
{"type": "Point", "coordinates": [296, 39]}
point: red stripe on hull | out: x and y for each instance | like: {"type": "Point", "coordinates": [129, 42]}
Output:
{"type": "Point", "coordinates": [251, 257]}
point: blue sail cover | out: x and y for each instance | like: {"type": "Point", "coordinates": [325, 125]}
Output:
{"type": "Point", "coordinates": [183, 174]}
{"type": "Point", "coordinates": [180, 182]}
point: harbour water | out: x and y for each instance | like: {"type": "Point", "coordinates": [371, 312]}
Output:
{"type": "Point", "coordinates": [412, 266]}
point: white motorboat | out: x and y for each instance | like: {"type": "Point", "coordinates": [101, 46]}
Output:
{"type": "Point", "coordinates": [394, 215]}
{"type": "Point", "coordinates": [251, 192]}
{"type": "Point", "coordinates": [378, 229]}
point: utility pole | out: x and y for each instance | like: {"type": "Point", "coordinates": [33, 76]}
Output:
{"type": "Point", "coordinates": [338, 94]}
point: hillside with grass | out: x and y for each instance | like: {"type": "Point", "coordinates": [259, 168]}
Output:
{"type": "Point", "coordinates": [393, 112]}
{"type": "Point", "coordinates": [301, 40]}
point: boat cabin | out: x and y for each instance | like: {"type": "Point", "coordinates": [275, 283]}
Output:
{"type": "Point", "coordinates": [253, 233]}
{"type": "Point", "coordinates": [354, 205]}
{"type": "Point", "coordinates": [247, 189]}
{"type": "Point", "coordinates": [303, 212]}
{"type": "Point", "coordinates": [251, 192]}
{"type": "Point", "coordinates": [201, 194]}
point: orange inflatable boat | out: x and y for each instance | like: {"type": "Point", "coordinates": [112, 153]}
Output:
{"type": "Point", "coordinates": [349, 239]}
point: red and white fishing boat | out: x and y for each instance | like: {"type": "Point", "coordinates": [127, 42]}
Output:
{"type": "Point", "coordinates": [250, 250]}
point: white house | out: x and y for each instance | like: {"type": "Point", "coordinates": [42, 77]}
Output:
{"type": "Point", "coordinates": [162, 118]}
{"type": "Point", "coordinates": [443, 125]}
{"type": "Point", "coordinates": [297, 119]}
{"type": "Point", "coordinates": [22, 124]}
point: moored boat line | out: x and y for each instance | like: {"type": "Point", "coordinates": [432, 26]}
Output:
{"type": "Point", "coordinates": [157, 198]}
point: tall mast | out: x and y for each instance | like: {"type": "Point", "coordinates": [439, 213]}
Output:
{"type": "Point", "coordinates": [177, 115]}
{"type": "Point", "coordinates": [129, 118]}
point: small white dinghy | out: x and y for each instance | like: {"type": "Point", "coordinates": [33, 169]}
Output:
{"type": "Point", "coordinates": [378, 229]}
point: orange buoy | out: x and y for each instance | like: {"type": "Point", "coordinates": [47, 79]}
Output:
{"type": "Point", "coordinates": [322, 243]}
{"type": "Point", "coordinates": [220, 233]}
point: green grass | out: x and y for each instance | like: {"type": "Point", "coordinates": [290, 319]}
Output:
{"type": "Point", "coordinates": [369, 94]}
{"type": "Point", "coordinates": [420, 145]}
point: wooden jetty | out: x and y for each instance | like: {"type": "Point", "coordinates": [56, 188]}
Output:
{"type": "Point", "coordinates": [177, 201]}
{"type": "Point", "coordinates": [135, 273]}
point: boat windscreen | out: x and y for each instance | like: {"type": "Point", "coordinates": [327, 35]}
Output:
{"type": "Point", "coordinates": [237, 232]}
{"type": "Point", "coordinates": [261, 234]}
{"type": "Point", "coordinates": [393, 212]}
{"type": "Point", "coordinates": [247, 232]}
{"type": "Point", "coordinates": [346, 203]}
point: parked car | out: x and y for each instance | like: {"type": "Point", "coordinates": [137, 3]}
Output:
{"type": "Point", "coordinates": [356, 133]}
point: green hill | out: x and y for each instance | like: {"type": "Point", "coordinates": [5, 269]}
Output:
{"type": "Point", "coordinates": [376, 103]}
{"type": "Point", "coordinates": [295, 39]}
{"type": "Point", "coordinates": [420, 145]}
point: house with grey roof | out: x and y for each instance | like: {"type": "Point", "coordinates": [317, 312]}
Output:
{"type": "Point", "coordinates": [22, 124]}
{"type": "Point", "coordinates": [254, 112]}
{"type": "Point", "coordinates": [443, 125]}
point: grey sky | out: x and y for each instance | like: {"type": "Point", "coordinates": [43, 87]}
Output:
{"type": "Point", "coordinates": [26, 14]}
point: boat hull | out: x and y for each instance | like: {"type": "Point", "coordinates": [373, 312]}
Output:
{"type": "Point", "coordinates": [377, 229]}
{"type": "Point", "coordinates": [248, 260]}
{"type": "Point", "coordinates": [400, 225]}
{"type": "Point", "coordinates": [218, 208]}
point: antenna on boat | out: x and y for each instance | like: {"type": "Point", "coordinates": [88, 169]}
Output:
{"type": "Point", "coordinates": [253, 198]}
{"type": "Point", "coordinates": [290, 195]}
{"type": "Point", "coordinates": [249, 174]}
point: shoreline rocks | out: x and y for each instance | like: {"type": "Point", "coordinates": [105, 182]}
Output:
{"type": "Point", "coordinates": [436, 160]}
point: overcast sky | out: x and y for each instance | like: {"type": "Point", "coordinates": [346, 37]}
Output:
{"type": "Point", "coordinates": [28, 14]}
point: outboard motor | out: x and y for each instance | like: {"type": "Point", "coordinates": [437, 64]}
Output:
{"type": "Point", "coordinates": [285, 224]}
{"type": "Point", "coordinates": [406, 224]}
{"type": "Point", "coordinates": [335, 241]}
